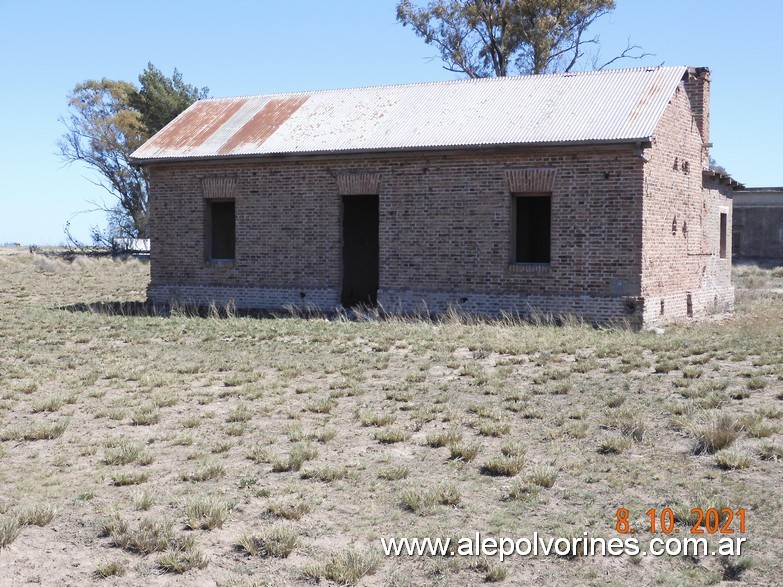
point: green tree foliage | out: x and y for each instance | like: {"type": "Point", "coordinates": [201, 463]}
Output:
{"type": "Point", "coordinates": [160, 99]}
{"type": "Point", "coordinates": [484, 38]}
{"type": "Point", "coordinates": [107, 120]}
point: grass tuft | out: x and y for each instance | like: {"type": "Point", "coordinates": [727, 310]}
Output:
{"type": "Point", "coordinates": [392, 434]}
{"type": "Point", "coordinates": [206, 472]}
{"type": "Point", "coordinates": [614, 445]}
{"type": "Point", "coordinates": [38, 515]}
{"type": "Point", "coordinates": [441, 439]}
{"type": "Point", "coordinates": [345, 567]}
{"type": "Point", "coordinates": [542, 476]}
{"type": "Point", "coordinates": [464, 452]}
{"type": "Point", "coordinates": [503, 466]}
{"type": "Point", "coordinates": [206, 513]}
{"type": "Point", "coordinates": [41, 431]}
{"type": "Point", "coordinates": [107, 569]}
{"type": "Point", "coordinates": [714, 432]}
{"type": "Point", "coordinates": [730, 459]}
{"type": "Point", "coordinates": [277, 542]}
{"type": "Point", "coordinates": [182, 558]}
{"type": "Point", "coordinates": [129, 478]}
{"type": "Point", "coordinates": [300, 453]}
{"type": "Point", "coordinates": [394, 473]}
{"type": "Point", "coordinates": [290, 510]}
{"type": "Point", "coordinates": [10, 528]}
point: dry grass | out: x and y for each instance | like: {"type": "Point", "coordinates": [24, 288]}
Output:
{"type": "Point", "coordinates": [345, 567]}
{"type": "Point", "coordinates": [112, 568]}
{"type": "Point", "coordinates": [318, 434]}
{"type": "Point", "coordinates": [38, 515]}
{"type": "Point", "coordinates": [206, 513]}
{"type": "Point", "coordinates": [290, 510]}
{"type": "Point", "coordinates": [278, 542]}
{"type": "Point", "coordinates": [505, 466]}
{"type": "Point", "coordinates": [10, 528]}
{"type": "Point", "coordinates": [182, 558]}
{"type": "Point", "coordinates": [714, 432]}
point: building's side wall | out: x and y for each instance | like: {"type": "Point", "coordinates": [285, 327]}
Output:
{"type": "Point", "coordinates": [445, 233]}
{"type": "Point", "coordinates": [758, 226]}
{"type": "Point", "coordinates": [680, 255]}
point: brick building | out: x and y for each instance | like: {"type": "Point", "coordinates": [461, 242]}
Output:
{"type": "Point", "coordinates": [583, 193]}
{"type": "Point", "coordinates": [757, 233]}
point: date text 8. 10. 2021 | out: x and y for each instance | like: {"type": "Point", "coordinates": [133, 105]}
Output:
{"type": "Point", "coordinates": [700, 521]}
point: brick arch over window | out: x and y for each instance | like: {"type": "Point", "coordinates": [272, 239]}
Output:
{"type": "Point", "coordinates": [222, 187]}
{"type": "Point", "coordinates": [521, 181]}
{"type": "Point", "coordinates": [359, 184]}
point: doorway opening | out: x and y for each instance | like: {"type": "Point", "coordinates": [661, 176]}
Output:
{"type": "Point", "coordinates": [360, 251]}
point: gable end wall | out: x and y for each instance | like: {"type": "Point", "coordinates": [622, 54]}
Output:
{"type": "Point", "coordinates": [680, 254]}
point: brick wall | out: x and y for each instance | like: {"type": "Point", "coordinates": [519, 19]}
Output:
{"type": "Point", "coordinates": [445, 236]}
{"type": "Point", "coordinates": [680, 254]}
{"type": "Point", "coordinates": [697, 88]}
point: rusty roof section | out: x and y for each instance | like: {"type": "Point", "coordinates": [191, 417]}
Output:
{"type": "Point", "coordinates": [199, 122]}
{"type": "Point", "coordinates": [621, 105]}
{"type": "Point", "coordinates": [263, 124]}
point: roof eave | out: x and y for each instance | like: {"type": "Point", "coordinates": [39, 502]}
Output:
{"type": "Point", "coordinates": [635, 142]}
{"type": "Point", "coordinates": [722, 178]}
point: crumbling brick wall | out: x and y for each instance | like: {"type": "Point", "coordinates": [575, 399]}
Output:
{"type": "Point", "coordinates": [683, 274]}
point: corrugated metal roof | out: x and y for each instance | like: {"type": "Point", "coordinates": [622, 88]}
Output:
{"type": "Point", "coordinates": [615, 105]}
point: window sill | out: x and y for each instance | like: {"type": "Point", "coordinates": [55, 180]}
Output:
{"type": "Point", "coordinates": [530, 267]}
{"type": "Point", "coordinates": [220, 262]}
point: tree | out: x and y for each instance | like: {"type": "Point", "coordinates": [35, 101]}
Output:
{"type": "Point", "coordinates": [484, 38]}
{"type": "Point", "coordinates": [103, 130]}
{"type": "Point", "coordinates": [107, 121]}
{"type": "Point", "coordinates": [160, 99]}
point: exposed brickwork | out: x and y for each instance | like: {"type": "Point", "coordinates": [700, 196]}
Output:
{"type": "Point", "coordinates": [358, 184]}
{"type": "Point", "coordinates": [219, 187]}
{"type": "Point", "coordinates": [247, 297]}
{"type": "Point", "coordinates": [531, 180]}
{"type": "Point", "coordinates": [681, 235]}
{"type": "Point", "coordinates": [697, 88]}
{"type": "Point", "coordinates": [618, 246]}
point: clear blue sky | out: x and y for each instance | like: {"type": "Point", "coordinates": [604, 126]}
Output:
{"type": "Point", "coordinates": [240, 47]}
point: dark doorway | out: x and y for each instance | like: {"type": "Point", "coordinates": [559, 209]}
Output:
{"type": "Point", "coordinates": [360, 250]}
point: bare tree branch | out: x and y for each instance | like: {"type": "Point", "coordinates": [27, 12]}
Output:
{"type": "Point", "coordinates": [626, 54]}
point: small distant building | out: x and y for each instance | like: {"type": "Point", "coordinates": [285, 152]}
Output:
{"type": "Point", "coordinates": [579, 193]}
{"type": "Point", "coordinates": [757, 234]}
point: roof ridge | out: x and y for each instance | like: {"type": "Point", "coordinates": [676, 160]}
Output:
{"type": "Point", "coordinates": [465, 81]}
